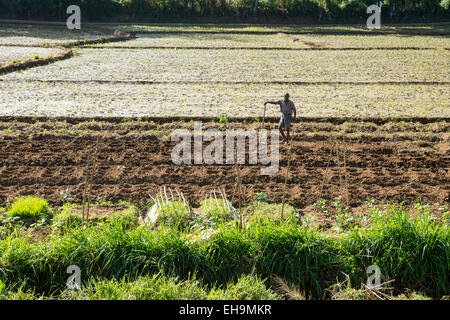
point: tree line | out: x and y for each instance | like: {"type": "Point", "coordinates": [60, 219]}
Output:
{"type": "Point", "coordinates": [150, 9]}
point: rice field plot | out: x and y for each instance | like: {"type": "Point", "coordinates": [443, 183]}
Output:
{"type": "Point", "coordinates": [46, 35]}
{"type": "Point", "coordinates": [371, 41]}
{"type": "Point", "coordinates": [281, 40]}
{"type": "Point", "coordinates": [214, 28]}
{"type": "Point", "coordinates": [199, 40]}
{"type": "Point", "coordinates": [75, 99]}
{"type": "Point", "coordinates": [254, 66]}
{"type": "Point", "coordinates": [420, 29]}
{"type": "Point", "coordinates": [18, 54]}
{"type": "Point", "coordinates": [247, 28]}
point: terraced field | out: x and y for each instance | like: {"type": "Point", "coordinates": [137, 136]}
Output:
{"type": "Point", "coordinates": [67, 98]}
{"type": "Point", "coordinates": [364, 181]}
{"type": "Point", "coordinates": [199, 40]}
{"type": "Point", "coordinates": [217, 71]}
{"type": "Point", "coordinates": [16, 54]}
{"type": "Point", "coordinates": [280, 40]}
{"type": "Point", "coordinates": [389, 162]}
{"type": "Point", "coordinates": [33, 35]}
{"type": "Point", "coordinates": [251, 66]}
{"type": "Point", "coordinates": [414, 29]}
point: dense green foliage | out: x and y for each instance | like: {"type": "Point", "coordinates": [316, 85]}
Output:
{"type": "Point", "coordinates": [131, 9]}
{"type": "Point", "coordinates": [412, 250]}
{"type": "Point", "coordinates": [156, 287]}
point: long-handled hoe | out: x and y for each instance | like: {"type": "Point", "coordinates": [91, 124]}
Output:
{"type": "Point", "coordinates": [286, 177]}
{"type": "Point", "coordinates": [88, 178]}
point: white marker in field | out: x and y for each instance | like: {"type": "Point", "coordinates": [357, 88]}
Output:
{"type": "Point", "coordinates": [74, 21]}
{"type": "Point", "coordinates": [74, 281]}
{"type": "Point", "coordinates": [374, 21]}
{"type": "Point", "coordinates": [374, 276]}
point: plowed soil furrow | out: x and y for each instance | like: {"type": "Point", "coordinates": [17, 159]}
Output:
{"type": "Point", "coordinates": [132, 168]}
{"type": "Point", "coordinates": [58, 153]}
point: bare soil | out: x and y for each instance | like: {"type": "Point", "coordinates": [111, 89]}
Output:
{"type": "Point", "coordinates": [398, 162]}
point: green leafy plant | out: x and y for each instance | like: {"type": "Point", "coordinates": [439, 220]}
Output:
{"type": "Point", "coordinates": [344, 220]}
{"type": "Point", "coordinates": [322, 206]}
{"type": "Point", "coordinates": [67, 217]}
{"type": "Point", "coordinates": [223, 118]}
{"type": "Point", "coordinates": [30, 208]}
{"type": "Point", "coordinates": [261, 197]}
{"type": "Point", "coordinates": [216, 210]}
{"type": "Point", "coordinates": [65, 196]}
{"type": "Point", "coordinates": [175, 214]}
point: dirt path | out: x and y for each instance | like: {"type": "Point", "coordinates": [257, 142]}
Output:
{"type": "Point", "coordinates": [131, 164]}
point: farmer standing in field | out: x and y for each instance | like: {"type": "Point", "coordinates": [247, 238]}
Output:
{"type": "Point", "coordinates": [287, 108]}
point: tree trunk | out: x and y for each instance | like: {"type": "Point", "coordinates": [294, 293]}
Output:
{"type": "Point", "coordinates": [255, 7]}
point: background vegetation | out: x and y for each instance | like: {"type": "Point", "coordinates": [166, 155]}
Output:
{"type": "Point", "coordinates": [327, 10]}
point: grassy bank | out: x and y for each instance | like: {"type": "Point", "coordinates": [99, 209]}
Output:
{"type": "Point", "coordinates": [121, 258]}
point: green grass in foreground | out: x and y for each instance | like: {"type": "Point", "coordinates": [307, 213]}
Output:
{"type": "Point", "coordinates": [158, 287]}
{"type": "Point", "coordinates": [121, 260]}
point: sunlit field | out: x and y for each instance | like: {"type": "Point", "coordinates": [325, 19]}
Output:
{"type": "Point", "coordinates": [87, 178]}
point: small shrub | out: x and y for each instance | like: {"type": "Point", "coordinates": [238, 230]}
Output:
{"type": "Point", "coordinates": [174, 214]}
{"type": "Point", "coordinates": [129, 217]}
{"type": "Point", "coordinates": [30, 208]}
{"type": "Point", "coordinates": [216, 210]}
{"type": "Point", "coordinates": [263, 211]}
{"type": "Point", "coordinates": [65, 196]}
{"type": "Point", "coordinates": [67, 217]}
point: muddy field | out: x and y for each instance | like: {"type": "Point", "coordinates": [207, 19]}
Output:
{"type": "Point", "coordinates": [132, 160]}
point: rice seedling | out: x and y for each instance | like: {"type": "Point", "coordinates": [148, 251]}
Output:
{"type": "Point", "coordinates": [274, 29]}
{"type": "Point", "coordinates": [197, 40]}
